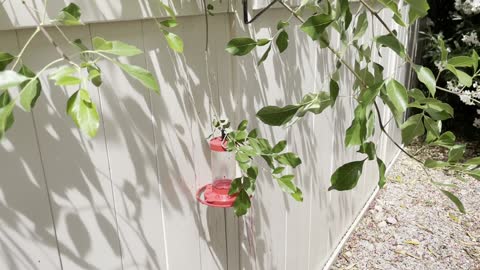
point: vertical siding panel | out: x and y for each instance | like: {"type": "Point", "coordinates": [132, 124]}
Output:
{"type": "Point", "coordinates": [263, 230]}
{"type": "Point", "coordinates": [27, 236]}
{"type": "Point", "coordinates": [131, 146]}
{"type": "Point", "coordinates": [76, 169]}
{"type": "Point", "coordinates": [184, 114]}
{"type": "Point", "coordinates": [320, 164]}
{"type": "Point", "coordinates": [302, 137]}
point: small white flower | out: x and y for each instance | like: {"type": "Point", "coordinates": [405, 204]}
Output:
{"type": "Point", "coordinates": [471, 39]}
{"type": "Point", "coordinates": [440, 65]}
{"type": "Point", "coordinates": [466, 97]}
{"type": "Point", "coordinates": [468, 7]}
{"type": "Point", "coordinates": [478, 111]}
{"type": "Point", "coordinates": [476, 122]}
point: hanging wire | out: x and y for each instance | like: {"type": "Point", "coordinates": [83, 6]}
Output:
{"type": "Point", "coordinates": [245, 11]}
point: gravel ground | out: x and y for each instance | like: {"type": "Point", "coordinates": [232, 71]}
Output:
{"type": "Point", "coordinates": [412, 225]}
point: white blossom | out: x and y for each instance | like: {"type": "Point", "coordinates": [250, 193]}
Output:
{"type": "Point", "coordinates": [471, 39]}
{"type": "Point", "coordinates": [476, 122]}
{"type": "Point", "coordinates": [468, 7]}
{"type": "Point", "coordinates": [466, 97]}
{"type": "Point", "coordinates": [440, 65]}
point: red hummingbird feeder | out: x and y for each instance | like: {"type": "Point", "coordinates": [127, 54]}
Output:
{"type": "Point", "coordinates": [215, 194]}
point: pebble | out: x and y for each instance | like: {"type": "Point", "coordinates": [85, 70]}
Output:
{"type": "Point", "coordinates": [382, 224]}
{"type": "Point", "coordinates": [391, 220]}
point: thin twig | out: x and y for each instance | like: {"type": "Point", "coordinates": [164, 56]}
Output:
{"type": "Point", "coordinates": [19, 56]}
{"type": "Point", "coordinates": [47, 35]}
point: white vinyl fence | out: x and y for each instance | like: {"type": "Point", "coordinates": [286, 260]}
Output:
{"type": "Point", "coordinates": [126, 199]}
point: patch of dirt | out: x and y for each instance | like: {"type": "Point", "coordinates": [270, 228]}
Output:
{"type": "Point", "coordinates": [412, 225]}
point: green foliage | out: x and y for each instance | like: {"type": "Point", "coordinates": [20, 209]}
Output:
{"type": "Point", "coordinates": [10, 78]}
{"type": "Point", "coordinates": [346, 177]}
{"type": "Point", "coordinates": [31, 89]}
{"type": "Point", "coordinates": [83, 112]}
{"type": "Point", "coordinates": [70, 15]}
{"type": "Point", "coordinates": [114, 47]}
{"type": "Point", "coordinates": [5, 59]}
{"type": "Point", "coordinates": [241, 46]}
{"type": "Point", "coordinates": [247, 146]}
{"type": "Point", "coordinates": [371, 85]}
{"type": "Point", "coordinates": [6, 113]}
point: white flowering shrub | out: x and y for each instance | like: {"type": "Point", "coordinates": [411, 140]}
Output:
{"type": "Point", "coordinates": [454, 25]}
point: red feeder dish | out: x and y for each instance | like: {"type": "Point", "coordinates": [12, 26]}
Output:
{"type": "Point", "coordinates": [218, 144]}
{"type": "Point", "coordinates": [216, 194]}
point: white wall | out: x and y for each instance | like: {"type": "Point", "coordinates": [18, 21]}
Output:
{"type": "Point", "coordinates": [125, 199]}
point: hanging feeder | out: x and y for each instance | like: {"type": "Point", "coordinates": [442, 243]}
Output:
{"type": "Point", "coordinates": [215, 194]}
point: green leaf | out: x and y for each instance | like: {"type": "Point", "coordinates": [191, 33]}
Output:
{"type": "Point", "coordinates": [263, 41]}
{"type": "Point", "coordinates": [369, 149]}
{"type": "Point", "coordinates": [169, 23]}
{"type": "Point", "coordinates": [240, 46]}
{"type": "Point", "coordinates": [432, 164]}
{"type": "Point", "coordinates": [461, 61]}
{"type": "Point", "coordinates": [70, 15]}
{"type": "Point", "coordinates": [252, 133]}
{"type": "Point", "coordinates": [425, 75]}
{"type": "Point", "coordinates": [95, 75]}
{"type": "Point", "coordinates": [382, 169]}
{"type": "Point", "coordinates": [456, 153]}
{"type": "Point", "coordinates": [361, 27]}
{"type": "Point", "coordinates": [242, 203]}
{"type": "Point", "coordinates": [174, 41]}
{"type": "Point", "coordinates": [143, 76]}
{"type": "Point", "coordinates": [279, 147]}
{"type": "Point", "coordinates": [167, 9]}
{"type": "Point", "coordinates": [265, 55]}
{"type": "Point", "coordinates": [5, 59]}
{"type": "Point", "coordinates": [438, 110]}
{"type": "Point", "coordinates": [64, 76]}
{"type": "Point", "coordinates": [10, 78]}
{"type": "Point", "coordinates": [392, 5]}
{"type": "Point", "coordinates": [357, 132]}
{"type": "Point", "coordinates": [282, 41]}
{"type": "Point", "coordinates": [252, 172]}
{"type": "Point", "coordinates": [412, 128]}
{"type": "Point", "coordinates": [433, 129]}
{"type": "Point", "coordinates": [443, 49]}
{"type": "Point", "coordinates": [83, 112]}
{"type": "Point", "coordinates": [315, 103]}
{"type": "Point", "coordinates": [277, 116]}
{"type": "Point", "coordinates": [316, 25]}
{"type": "Point", "coordinates": [286, 183]}
{"type": "Point", "coordinates": [235, 186]}
{"type": "Point", "coordinates": [115, 47]}
{"type": "Point", "coordinates": [334, 91]}
{"type": "Point", "coordinates": [393, 43]}
{"type": "Point", "coordinates": [473, 161]}
{"type": "Point", "coordinates": [346, 177]}
{"type": "Point", "coordinates": [289, 159]}
{"type": "Point", "coordinates": [418, 9]}
{"type": "Point", "coordinates": [446, 140]}
{"type": "Point", "coordinates": [463, 77]}
{"type": "Point", "coordinates": [278, 170]}
{"type": "Point", "coordinates": [398, 95]}
{"type": "Point", "coordinates": [31, 89]}
{"type": "Point", "coordinates": [6, 113]}
{"type": "Point", "coordinates": [475, 59]}
{"type": "Point", "coordinates": [455, 200]}
{"type": "Point", "coordinates": [282, 25]}
{"type": "Point", "coordinates": [242, 157]}
{"type": "Point", "coordinates": [243, 125]}
{"type": "Point", "coordinates": [367, 96]}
